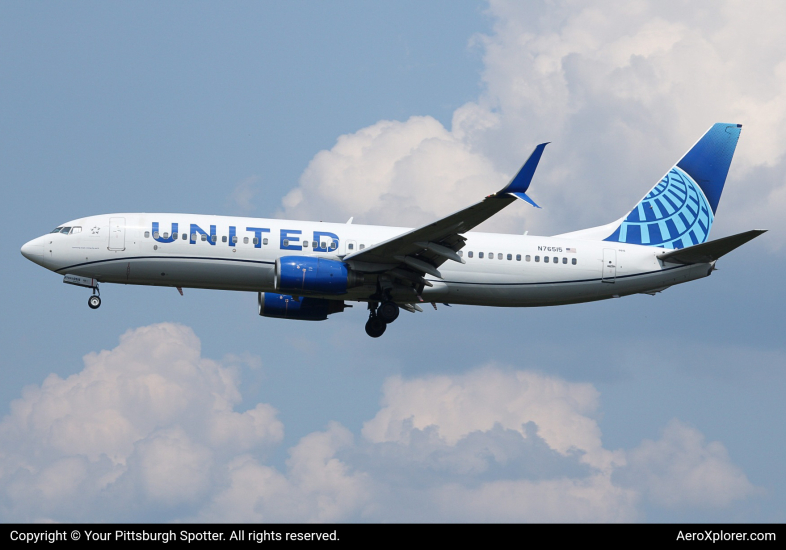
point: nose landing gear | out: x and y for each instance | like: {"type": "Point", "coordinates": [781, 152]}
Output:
{"type": "Point", "coordinates": [94, 302]}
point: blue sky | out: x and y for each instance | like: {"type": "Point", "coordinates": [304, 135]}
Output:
{"type": "Point", "coordinates": [665, 408]}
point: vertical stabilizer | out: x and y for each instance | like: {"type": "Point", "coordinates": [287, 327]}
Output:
{"type": "Point", "coordinates": [678, 212]}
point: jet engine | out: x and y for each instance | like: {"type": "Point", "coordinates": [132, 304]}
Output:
{"type": "Point", "coordinates": [305, 309]}
{"type": "Point", "coordinates": [303, 274]}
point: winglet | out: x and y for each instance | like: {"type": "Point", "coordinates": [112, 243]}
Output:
{"type": "Point", "coordinates": [520, 183]}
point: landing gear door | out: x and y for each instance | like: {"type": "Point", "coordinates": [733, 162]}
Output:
{"type": "Point", "coordinates": [609, 265]}
{"type": "Point", "coordinates": [117, 234]}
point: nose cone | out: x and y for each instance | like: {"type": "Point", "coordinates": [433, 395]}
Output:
{"type": "Point", "coordinates": [34, 250]}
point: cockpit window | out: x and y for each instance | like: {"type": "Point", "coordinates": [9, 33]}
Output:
{"type": "Point", "coordinates": [76, 229]}
{"type": "Point", "coordinates": [56, 229]}
{"type": "Point", "coordinates": [65, 230]}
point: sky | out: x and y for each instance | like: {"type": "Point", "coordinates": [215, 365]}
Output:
{"type": "Point", "coordinates": [158, 407]}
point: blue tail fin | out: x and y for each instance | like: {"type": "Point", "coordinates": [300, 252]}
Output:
{"type": "Point", "coordinates": [678, 212]}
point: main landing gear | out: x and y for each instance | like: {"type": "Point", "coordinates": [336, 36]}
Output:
{"type": "Point", "coordinates": [380, 316]}
{"type": "Point", "coordinates": [94, 302]}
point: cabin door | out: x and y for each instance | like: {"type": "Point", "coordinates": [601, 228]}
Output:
{"type": "Point", "coordinates": [117, 233]}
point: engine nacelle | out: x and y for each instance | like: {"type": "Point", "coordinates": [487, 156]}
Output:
{"type": "Point", "coordinates": [304, 309]}
{"type": "Point", "coordinates": [303, 274]}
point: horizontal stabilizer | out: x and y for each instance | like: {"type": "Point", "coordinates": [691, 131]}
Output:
{"type": "Point", "coordinates": [710, 251]}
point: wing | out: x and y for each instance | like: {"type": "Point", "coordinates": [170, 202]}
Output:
{"type": "Point", "coordinates": [410, 255]}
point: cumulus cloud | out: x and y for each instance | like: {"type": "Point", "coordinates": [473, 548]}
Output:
{"type": "Point", "coordinates": [150, 418]}
{"type": "Point", "coordinates": [621, 92]}
{"type": "Point", "coordinates": [149, 431]}
{"type": "Point", "coordinates": [681, 470]}
{"type": "Point", "coordinates": [376, 171]}
{"type": "Point", "coordinates": [475, 402]}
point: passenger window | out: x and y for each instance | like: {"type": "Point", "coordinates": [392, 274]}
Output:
{"type": "Point", "coordinates": [147, 234]}
{"type": "Point", "coordinates": [518, 257]}
{"type": "Point", "coordinates": [527, 257]}
{"type": "Point", "coordinates": [286, 243]}
{"type": "Point", "coordinates": [234, 239]}
{"type": "Point", "coordinates": [510, 256]}
{"type": "Point", "coordinates": [480, 254]}
{"type": "Point", "coordinates": [185, 236]}
{"type": "Point", "coordinates": [264, 241]}
{"type": "Point", "coordinates": [223, 238]}
{"type": "Point", "coordinates": [499, 256]}
{"type": "Point", "coordinates": [65, 230]}
{"type": "Point", "coordinates": [193, 236]}
{"type": "Point", "coordinates": [245, 240]}
{"type": "Point", "coordinates": [469, 253]}
{"type": "Point", "coordinates": [324, 245]}
{"type": "Point", "coordinates": [166, 235]}
{"type": "Point", "coordinates": [155, 234]}
{"type": "Point", "coordinates": [213, 238]}
{"type": "Point", "coordinates": [333, 245]}
{"type": "Point", "coordinates": [545, 259]}
{"type": "Point", "coordinates": [537, 258]}
{"type": "Point", "coordinates": [573, 261]}
{"type": "Point", "coordinates": [362, 246]}
{"type": "Point", "coordinates": [351, 246]}
{"type": "Point", "coordinates": [204, 237]}
{"type": "Point", "coordinates": [174, 236]}
{"type": "Point", "coordinates": [76, 230]}
{"type": "Point", "coordinates": [256, 241]}
{"type": "Point", "coordinates": [460, 253]}
{"type": "Point", "coordinates": [314, 244]}
{"type": "Point", "coordinates": [564, 260]}
{"type": "Point", "coordinates": [491, 255]}
{"type": "Point", "coordinates": [305, 244]}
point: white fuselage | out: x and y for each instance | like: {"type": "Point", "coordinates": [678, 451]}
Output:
{"type": "Point", "coordinates": [500, 269]}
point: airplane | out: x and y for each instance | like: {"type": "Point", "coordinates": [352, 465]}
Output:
{"type": "Point", "coordinates": [309, 270]}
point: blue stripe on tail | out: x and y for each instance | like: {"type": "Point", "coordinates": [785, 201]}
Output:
{"type": "Point", "coordinates": [678, 212]}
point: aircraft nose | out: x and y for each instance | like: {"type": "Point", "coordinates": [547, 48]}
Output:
{"type": "Point", "coordinates": [33, 250]}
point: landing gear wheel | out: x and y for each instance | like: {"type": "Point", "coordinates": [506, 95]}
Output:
{"type": "Point", "coordinates": [388, 312]}
{"type": "Point", "coordinates": [375, 327]}
{"type": "Point", "coordinates": [94, 302]}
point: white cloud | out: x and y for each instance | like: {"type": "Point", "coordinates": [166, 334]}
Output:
{"type": "Point", "coordinates": [316, 487]}
{"type": "Point", "coordinates": [374, 172]}
{"type": "Point", "coordinates": [457, 427]}
{"type": "Point", "coordinates": [151, 413]}
{"type": "Point", "coordinates": [681, 470]}
{"type": "Point", "coordinates": [621, 91]}
{"type": "Point", "coordinates": [461, 404]}
{"type": "Point", "coordinates": [147, 431]}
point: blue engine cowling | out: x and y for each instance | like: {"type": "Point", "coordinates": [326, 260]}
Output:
{"type": "Point", "coordinates": [304, 309]}
{"type": "Point", "coordinates": [303, 274]}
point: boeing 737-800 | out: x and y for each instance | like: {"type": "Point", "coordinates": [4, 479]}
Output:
{"type": "Point", "coordinates": [308, 270]}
